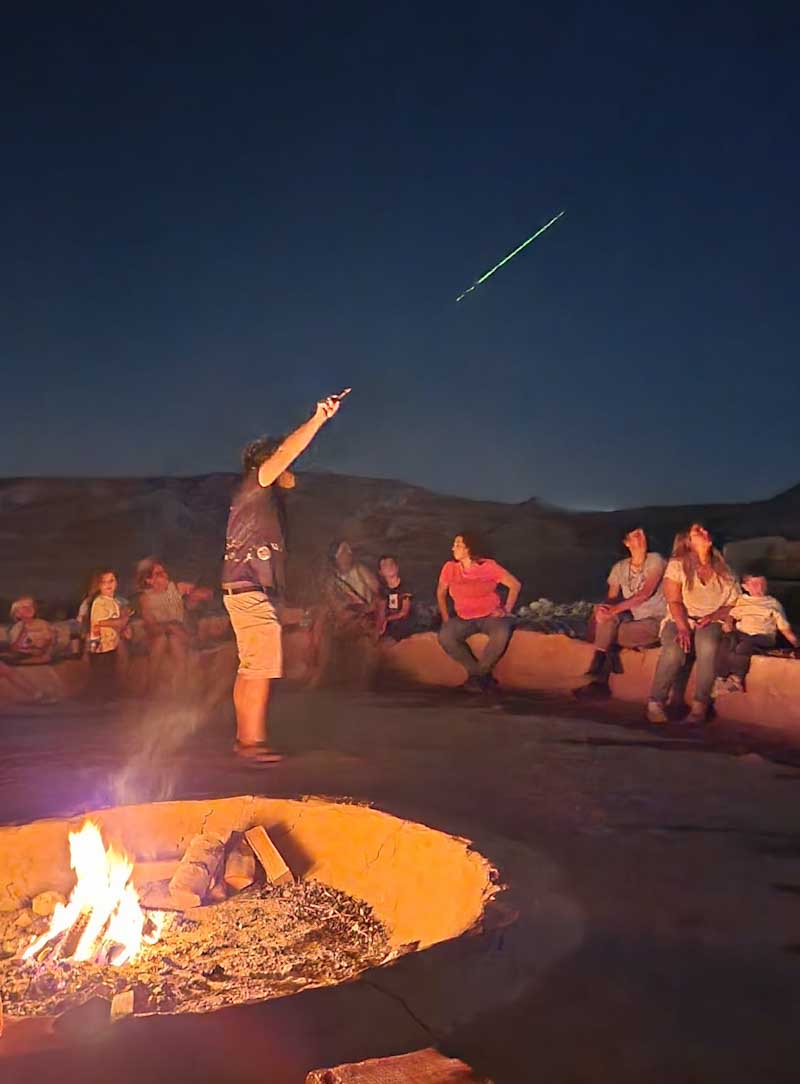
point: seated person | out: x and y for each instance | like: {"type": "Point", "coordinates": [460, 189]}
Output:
{"type": "Point", "coordinates": [700, 590]}
{"type": "Point", "coordinates": [395, 615]}
{"type": "Point", "coordinates": [632, 614]}
{"type": "Point", "coordinates": [162, 608]}
{"type": "Point", "coordinates": [107, 617]}
{"type": "Point", "coordinates": [471, 580]}
{"type": "Point", "coordinates": [31, 639]}
{"type": "Point", "coordinates": [758, 618]}
{"type": "Point", "coordinates": [348, 614]}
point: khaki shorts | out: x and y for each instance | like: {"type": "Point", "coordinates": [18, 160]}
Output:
{"type": "Point", "coordinates": [258, 634]}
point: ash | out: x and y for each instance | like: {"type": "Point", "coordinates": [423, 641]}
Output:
{"type": "Point", "coordinates": [263, 942]}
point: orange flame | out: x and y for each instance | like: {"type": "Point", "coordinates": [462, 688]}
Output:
{"type": "Point", "coordinates": [104, 901]}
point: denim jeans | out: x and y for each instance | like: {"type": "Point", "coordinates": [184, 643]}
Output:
{"type": "Point", "coordinates": [705, 644]}
{"type": "Point", "coordinates": [453, 636]}
{"type": "Point", "coordinates": [642, 633]}
{"type": "Point", "coordinates": [737, 649]}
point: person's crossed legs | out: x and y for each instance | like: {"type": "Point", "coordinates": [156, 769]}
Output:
{"type": "Point", "coordinates": [453, 636]}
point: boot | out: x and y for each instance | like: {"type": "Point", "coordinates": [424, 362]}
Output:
{"type": "Point", "coordinates": [615, 659]}
{"type": "Point", "coordinates": [598, 665]}
{"type": "Point", "coordinates": [599, 672]}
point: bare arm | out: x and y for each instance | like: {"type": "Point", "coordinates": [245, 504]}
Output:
{"type": "Point", "coordinates": [297, 442]}
{"type": "Point", "coordinates": [117, 623]}
{"type": "Point", "coordinates": [514, 587]}
{"type": "Point", "coordinates": [673, 593]}
{"type": "Point", "coordinates": [722, 613]}
{"type": "Point", "coordinates": [404, 611]}
{"type": "Point", "coordinates": [645, 592]}
{"type": "Point", "coordinates": [604, 610]}
{"type": "Point", "coordinates": [441, 601]}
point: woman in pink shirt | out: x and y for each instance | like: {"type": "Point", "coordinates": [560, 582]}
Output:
{"type": "Point", "coordinates": [471, 580]}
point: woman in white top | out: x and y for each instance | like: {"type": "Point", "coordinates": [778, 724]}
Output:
{"type": "Point", "coordinates": [700, 590]}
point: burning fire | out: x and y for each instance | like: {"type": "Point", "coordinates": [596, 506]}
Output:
{"type": "Point", "coordinates": [102, 921]}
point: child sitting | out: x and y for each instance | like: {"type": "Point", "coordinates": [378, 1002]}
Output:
{"type": "Point", "coordinates": [31, 639]}
{"type": "Point", "coordinates": [395, 618]}
{"type": "Point", "coordinates": [758, 618]}
{"type": "Point", "coordinates": [107, 619]}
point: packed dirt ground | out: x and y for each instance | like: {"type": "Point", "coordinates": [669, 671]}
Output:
{"type": "Point", "coordinates": [653, 896]}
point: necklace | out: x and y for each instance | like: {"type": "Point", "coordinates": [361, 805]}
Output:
{"type": "Point", "coordinates": [635, 575]}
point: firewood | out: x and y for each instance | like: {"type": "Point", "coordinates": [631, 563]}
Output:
{"type": "Point", "coordinates": [275, 869]}
{"type": "Point", "coordinates": [159, 870]}
{"type": "Point", "coordinates": [45, 903]}
{"type": "Point", "coordinates": [121, 1005]}
{"type": "Point", "coordinates": [240, 866]}
{"type": "Point", "coordinates": [420, 1067]}
{"type": "Point", "coordinates": [198, 868]}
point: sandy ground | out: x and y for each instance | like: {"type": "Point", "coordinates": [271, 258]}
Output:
{"type": "Point", "coordinates": [655, 873]}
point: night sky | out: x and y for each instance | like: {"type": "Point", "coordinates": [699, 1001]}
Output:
{"type": "Point", "coordinates": [211, 220]}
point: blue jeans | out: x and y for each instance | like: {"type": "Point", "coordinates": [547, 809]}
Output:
{"type": "Point", "coordinates": [454, 633]}
{"type": "Point", "coordinates": [705, 644]}
{"type": "Point", "coordinates": [737, 649]}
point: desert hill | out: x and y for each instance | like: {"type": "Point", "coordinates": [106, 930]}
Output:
{"type": "Point", "coordinates": [53, 531]}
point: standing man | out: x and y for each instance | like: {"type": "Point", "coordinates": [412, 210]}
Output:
{"type": "Point", "coordinates": [254, 575]}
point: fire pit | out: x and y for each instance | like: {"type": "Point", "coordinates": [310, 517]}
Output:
{"type": "Point", "coordinates": [192, 906]}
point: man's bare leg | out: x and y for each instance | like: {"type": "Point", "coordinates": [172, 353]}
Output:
{"type": "Point", "coordinates": [251, 701]}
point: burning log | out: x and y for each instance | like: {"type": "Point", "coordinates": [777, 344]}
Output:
{"type": "Point", "coordinates": [198, 868]}
{"type": "Point", "coordinates": [240, 866]}
{"type": "Point", "coordinates": [275, 869]}
{"type": "Point", "coordinates": [46, 902]}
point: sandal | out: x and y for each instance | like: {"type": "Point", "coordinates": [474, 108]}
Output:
{"type": "Point", "coordinates": [256, 753]}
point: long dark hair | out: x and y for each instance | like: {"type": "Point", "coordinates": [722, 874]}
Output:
{"type": "Point", "coordinates": [476, 545]}
{"type": "Point", "coordinates": [92, 593]}
{"type": "Point", "coordinates": [682, 551]}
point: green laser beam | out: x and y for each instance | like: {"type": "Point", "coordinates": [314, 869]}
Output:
{"type": "Point", "coordinates": [510, 256]}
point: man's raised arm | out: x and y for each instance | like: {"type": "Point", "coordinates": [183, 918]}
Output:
{"type": "Point", "coordinates": [297, 442]}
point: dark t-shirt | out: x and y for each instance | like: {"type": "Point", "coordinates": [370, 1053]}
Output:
{"type": "Point", "coordinates": [254, 545]}
{"type": "Point", "coordinates": [393, 598]}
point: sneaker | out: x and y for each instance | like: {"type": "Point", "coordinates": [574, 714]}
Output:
{"type": "Point", "coordinates": [655, 712]}
{"type": "Point", "coordinates": [721, 687]}
{"type": "Point", "coordinates": [735, 684]}
{"type": "Point", "coordinates": [472, 685]}
{"type": "Point", "coordinates": [699, 712]}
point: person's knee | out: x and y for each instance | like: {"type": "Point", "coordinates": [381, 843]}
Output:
{"type": "Point", "coordinates": [707, 641]}
{"type": "Point", "coordinates": [449, 633]}
{"type": "Point", "coordinates": [501, 629]}
{"type": "Point", "coordinates": [672, 651]}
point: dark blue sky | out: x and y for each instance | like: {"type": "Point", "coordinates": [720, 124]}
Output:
{"type": "Point", "coordinates": [210, 220]}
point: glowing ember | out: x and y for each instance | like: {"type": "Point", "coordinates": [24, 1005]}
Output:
{"type": "Point", "coordinates": [102, 920]}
